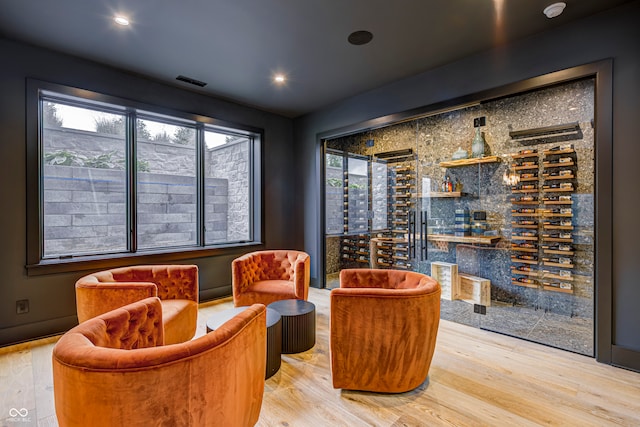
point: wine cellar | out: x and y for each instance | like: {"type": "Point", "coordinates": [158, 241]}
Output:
{"type": "Point", "coordinates": [508, 230]}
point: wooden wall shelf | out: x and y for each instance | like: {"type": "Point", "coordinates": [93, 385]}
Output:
{"type": "Point", "coordinates": [445, 194]}
{"type": "Point", "coordinates": [469, 162]}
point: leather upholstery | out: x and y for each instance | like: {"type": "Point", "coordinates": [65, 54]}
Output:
{"type": "Point", "coordinates": [268, 276]}
{"type": "Point", "coordinates": [175, 285]}
{"type": "Point", "coordinates": [383, 329]}
{"type": "Point", "coordinates": [113, 370]}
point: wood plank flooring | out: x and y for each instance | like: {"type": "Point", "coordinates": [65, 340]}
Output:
{"type": "Point", "coordinates": [477, 378]}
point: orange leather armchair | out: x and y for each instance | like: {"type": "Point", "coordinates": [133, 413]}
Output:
{"type": "Point", "coordinates": [175, 285]}
{"type": "Point", "coordinates": [268, 276]}
{"type": "Point", "coordinates": [113, 370]}
{"type": "Point", "coordinates": [384, 325]}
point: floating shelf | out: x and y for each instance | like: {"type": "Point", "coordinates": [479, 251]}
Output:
{"type": "Point", "coordinates": [469, 162]}
{"type": "Point", "coordinates": [483, 240]}
{"type": "Point", "coordinates": [444, 194]}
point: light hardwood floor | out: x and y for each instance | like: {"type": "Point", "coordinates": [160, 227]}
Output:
{"type": "Point", "coordinates": [477, 378]}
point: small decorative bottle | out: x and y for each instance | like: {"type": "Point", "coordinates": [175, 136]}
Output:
{"type": "Point", "coordinates": [458, 186]}
{"type": "Point", "coordinates": [477, 147]}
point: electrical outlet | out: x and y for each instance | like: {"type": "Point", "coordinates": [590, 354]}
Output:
{"type": "Point", "coordinates": [22, 306]}
{"type": "Point", "coordinates": [369, 143]}
{"type": "Point", "coordinates": [479, 121]}
{"type": "Point", "coordinates": [480, 309]}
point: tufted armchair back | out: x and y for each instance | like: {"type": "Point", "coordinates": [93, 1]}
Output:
{"type": "Point", "coordinates": [172, 281]}
{"type": "Point", "coordinates": [270, 275]}
{"type": "Point", "coordinates": [383, 329]}
{"type": "Point", "coordinates": [383, 279]}
{"type": "Point", "coordinates": [137, 326]}
{"type": "Point", "coordinates": [175, 285]}
{"type": "Point", "coordinates": [113, 370]}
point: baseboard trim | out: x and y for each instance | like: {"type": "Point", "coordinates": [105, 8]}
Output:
{"type": "Point", "coordinates": [625, 358]}
{"type": "Point", "coordinates": [32, 331]}
{"type": "Point", "coordinates": [215, 293]}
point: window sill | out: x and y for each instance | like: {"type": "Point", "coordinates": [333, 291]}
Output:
{"type": "Point", "coordinates": [101, 262]}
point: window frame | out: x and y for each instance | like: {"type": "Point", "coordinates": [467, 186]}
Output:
{"type": "Point", "coordinates": [37, 264]}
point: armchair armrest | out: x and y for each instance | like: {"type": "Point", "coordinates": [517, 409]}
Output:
{"type": "Point", "coordinates": [301, 276]}
{"type": "Point", "coordinates": [95, 298]}
{"type": "Point", "coordinates": [239, 280]}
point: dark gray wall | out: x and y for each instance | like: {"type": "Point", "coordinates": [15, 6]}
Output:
{"type": "Point", "coordinates": [614, 34]}
{"type": "Point", "coordinates": [52, 297]}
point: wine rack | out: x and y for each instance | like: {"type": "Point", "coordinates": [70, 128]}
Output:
{"type": "Point", "coordinates": [354, 244]}
{"type": "Point", "coordinates": [542, 219]}
{"type": "Point", "coordinates": [559, 182]}
{"type": "Point", "coordinates": [525, 220]}
{"type": "Point", "coordinates": [394, 253]}
{"type": "Point", "coordinates": [355, 249]}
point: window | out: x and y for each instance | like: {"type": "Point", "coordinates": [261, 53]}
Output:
{"type": "Point", "coordinates": [166, 185]}
{"type": "Point", "coordinates": [227, 177]}
{"type": "Point", "coordinates": [116, 178]}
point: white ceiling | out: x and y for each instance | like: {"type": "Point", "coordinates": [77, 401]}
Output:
{"type": "Point", "coordinates": [235, 46]}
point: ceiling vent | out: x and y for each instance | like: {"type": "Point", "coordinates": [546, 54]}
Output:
{"type": "Point", "coordinates": [191, 81]}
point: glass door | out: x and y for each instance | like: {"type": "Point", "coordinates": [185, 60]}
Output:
{"type": "Point", "coordinates": [495, 201]}
{"type": "Point", "coordinates": [393, 236]}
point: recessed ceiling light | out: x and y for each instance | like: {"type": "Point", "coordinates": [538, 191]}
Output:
{"type": "Point", "coordinates": [121, 20]}
{"type": "Point", "coordinates": [554, 10]}
{"type": "Point", "coordinates": [279, 78]}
